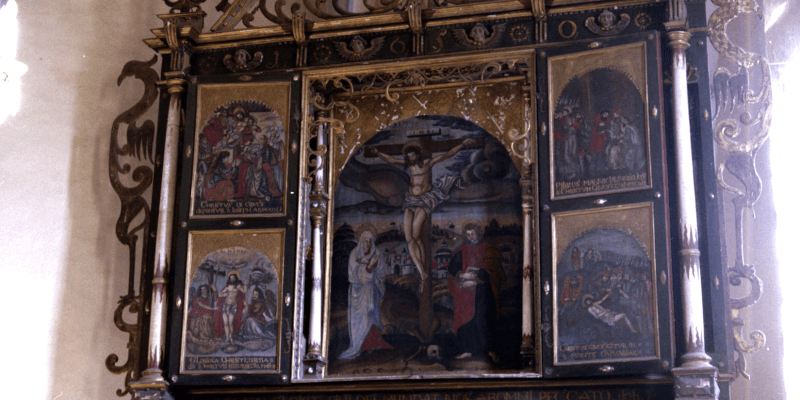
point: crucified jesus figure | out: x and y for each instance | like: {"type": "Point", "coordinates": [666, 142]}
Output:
{"type": "Point", "coordinates": [422, 197]}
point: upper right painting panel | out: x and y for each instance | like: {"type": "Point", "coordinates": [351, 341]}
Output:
{"type": "Point", "coordinates": [600, 133]}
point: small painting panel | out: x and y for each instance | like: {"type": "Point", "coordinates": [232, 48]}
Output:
{"type": "Point", "coordinates": [426, 254]}
{"type": "Point", "coordinates": [233, 291]}
{"type": "Point", "coordinates": [240, 150]}
{"type": "Point", "coordinates": [599, 139]}
{"type": "Point", "coordinates": [605, 297]}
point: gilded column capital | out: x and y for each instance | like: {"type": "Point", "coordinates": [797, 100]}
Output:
{"type": "Point", "coordinates": [679, 39]}
{"type": "Point", "coordinates": [175, 85]}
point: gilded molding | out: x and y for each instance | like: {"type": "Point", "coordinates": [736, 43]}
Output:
{"type": "Point", "coordinates": [299, 34]}
{"type": "Point", "coordinates": [741, 126]}
{"type": "Point", "coordinates": [139, 144]}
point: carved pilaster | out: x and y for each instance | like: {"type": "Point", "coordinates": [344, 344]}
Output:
{"type": "Point", "coordinates": [540, 20]}
{"type": "Point", "coordinates": [415, 22]}
{"type": "Point", "coordinates": [299, 34]}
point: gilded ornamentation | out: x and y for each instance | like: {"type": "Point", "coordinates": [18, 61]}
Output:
{"type": "Point", "coordinates": [139, 144]}
{"type": "Point", "coordinates": [322, 53]}
{"type": "Point", "coordinates": [233, 14]}
{"type": "Point", "coordinates": [345, 103]}
{"type": "Point", "coordinates": [334, 126]}
{"type": "Point", "coordinates": [519, 33]}
{"type": "Point", "coordinates": [609, 25]}
{"type": "Point", "coordinates": [479, 36]}
{"type": "Point", "coordinates": [241, 60]}
{"type": "Point", "coordinates": [397, 46]}
{"type": "Point", "coordinates": [739, 134]}
{"type": "Point", "coordinates": [642, 20]}
{"type": "Point", "coordinates": [573, 29]}
{"type": "Point", "coordinates": [358, 50]}
{"type": "Point", "coordinates": [439, 43]}
{"type": "Point", "coordinates": [421, 77]}
{"type": "Point", "coordinates": [275, 64]}
{"type": "Point", "coordinates": [520, 141]}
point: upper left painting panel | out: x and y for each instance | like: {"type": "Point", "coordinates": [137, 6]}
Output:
{"type": "Point", "coordinates": [240, 150]}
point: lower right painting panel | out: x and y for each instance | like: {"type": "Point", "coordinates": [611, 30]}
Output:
{"type": "Point", "coordinates": [604, 270]}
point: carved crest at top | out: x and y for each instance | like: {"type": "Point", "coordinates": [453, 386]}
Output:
{"type": "Point", "coordinates": [479, 36]}
{"type": "Point", "coordinates": [357, 49]}
{"type": "Point", "coordinates": [608, 24]}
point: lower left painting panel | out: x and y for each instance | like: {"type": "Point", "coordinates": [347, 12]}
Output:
{"type": "Point", "coordinates": [233, 287]}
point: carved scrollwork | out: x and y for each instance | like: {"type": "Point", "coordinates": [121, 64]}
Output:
{"type": "Point", "coordinates": [520, 141]}
{"type": "Point", "coordinates": [391, 84]}
{"type": "Point", "coordinates": [391, 81]}
{"type": "Point", "coordinates": [139, 144]}
{"type": "Point", "coordinates": [740, 134]}
{"type": "Point", "coordinates": [335, 126]}
{"type": "Point", "coordinates": [280, 12]}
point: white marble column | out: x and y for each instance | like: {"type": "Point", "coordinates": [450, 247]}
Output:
{"type": "Point", "coordinates": [318, 204]}
{"type": "Point", "coordinates": [695, 377]}
{"type": "Point", "coordinates": [153, 376]}
{"type": "Point", "coordinates": [528, 345]}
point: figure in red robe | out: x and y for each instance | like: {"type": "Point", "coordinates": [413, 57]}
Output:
{"type": "Point", "coordinates": [601, 129]}
{"type": "Point", "coordinates": [476, 274]}
{"type": "Point", "coordinates": [230, 306]}
{"type": "Point", "coordinates": [201, 315]}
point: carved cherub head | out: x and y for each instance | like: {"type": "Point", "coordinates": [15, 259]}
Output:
{"type": "Point", "coordinates": [479, 33]}
{"type": "Point", "coordinates": [358, 45]}
{"type": "Point", "coordinates": [241, 57]}
{"type": "Point", "coordinates": [606, 19]}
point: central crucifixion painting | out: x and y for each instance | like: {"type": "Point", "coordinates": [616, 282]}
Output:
{"type": "Point", "coordinates": [427, 254]}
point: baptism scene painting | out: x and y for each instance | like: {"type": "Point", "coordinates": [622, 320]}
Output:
{"type": "Point", "coordinates": [599, 141]}
{"type": "Point", "coordinates": [604, 300]}
{"type": "Point", "coordinates": [426, 254]}
{"type": "Point", "coordinates": [239, 163]}
{"type": "Point", "coordinates": [232, 320]}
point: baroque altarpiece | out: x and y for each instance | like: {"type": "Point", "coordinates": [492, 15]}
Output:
{"type": "Point", "coordinates": [435, 199]}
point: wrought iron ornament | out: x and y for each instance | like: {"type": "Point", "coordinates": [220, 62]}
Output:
{"type": "Point", "coordinates": [739, 135]}
{"type": "Point", "coordinates": [139, 144]}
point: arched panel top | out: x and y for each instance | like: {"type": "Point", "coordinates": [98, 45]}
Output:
{"type": "Point", "coordinates": [499, 108]}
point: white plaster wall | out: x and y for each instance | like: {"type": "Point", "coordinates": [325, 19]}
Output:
{"type": "Point", "coordinates": [62, 267]}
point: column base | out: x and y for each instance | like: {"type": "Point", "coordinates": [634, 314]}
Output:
{"type": "Point", "coordinates": [151, 386]}
{"type": "Point", "coordinates": [313, 364]}
{"type": "Point", "coordinates": [697, 382]}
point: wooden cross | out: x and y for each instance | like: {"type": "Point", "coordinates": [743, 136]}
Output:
{"type": "Point", "coordinates": [427, 325]}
